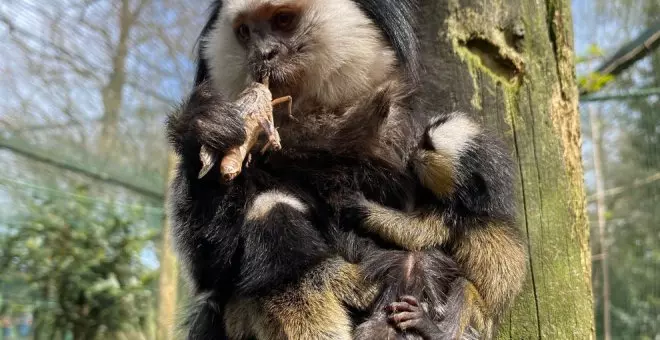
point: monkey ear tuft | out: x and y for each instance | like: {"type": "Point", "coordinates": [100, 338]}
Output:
{"type": "Point", "coordinates": [397, 20]}
{"type": "Point", "coordinates": [202, 72]}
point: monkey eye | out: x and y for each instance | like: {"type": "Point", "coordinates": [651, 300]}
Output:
{"type": "Point", "coordinates": [243, 33]}
{"type": "Point", "coordinates": [283, 20]}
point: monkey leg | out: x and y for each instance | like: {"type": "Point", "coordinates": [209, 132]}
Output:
{"type": "Point", "coordinates": [493, 260]}
{"type": "Point", "coordinates": [297, 288]}
{"type": "Point", "coordinates": [313, 308]}
{"type": "Point", "coordinates": [204, 319]}
{"type": "Point", "coordinates": [466, 315]}
{"type": "Point", "coordinates": [316, 308]}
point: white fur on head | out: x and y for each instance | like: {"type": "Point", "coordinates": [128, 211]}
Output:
{"type": "Point", "coordinates": [454, 136]}
{"type": "Point", "coordinates": [344, 54]}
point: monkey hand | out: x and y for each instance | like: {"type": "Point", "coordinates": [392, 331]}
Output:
{"type": "Point", "coordinates": [408, 316]}
{"type": "Point", "coordinates": [205, 118]}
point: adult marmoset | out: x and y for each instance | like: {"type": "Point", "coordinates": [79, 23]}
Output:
{"type": "Point", "coordinates": [270, 254]}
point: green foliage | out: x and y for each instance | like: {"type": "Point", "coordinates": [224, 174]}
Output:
{"type": "Point", "coordinates": [592, 81]}
{"type": "Point", "coordinates": [82, 261]}
{"type": "Point", "coordinates": [593, 52]}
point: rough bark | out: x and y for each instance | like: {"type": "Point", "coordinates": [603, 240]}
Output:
{"type": "Point", "coordinates": [511, 64]}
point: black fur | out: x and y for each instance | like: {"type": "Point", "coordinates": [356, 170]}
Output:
{"type": "Point", "coordinates": [204, 319]}
{"type": "Point", "coordinates": [277, 250]}
{"type": "Point", "coordinates": [479, 217]}
{"type": "Point", "coordinates": [487, 190]}
{"type": "Point", "coordinates": [202, 72]}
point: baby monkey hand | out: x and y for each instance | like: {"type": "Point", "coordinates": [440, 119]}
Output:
{"type": "Point", "coordinates": [408, 316]}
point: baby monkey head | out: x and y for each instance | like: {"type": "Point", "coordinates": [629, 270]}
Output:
{"type": "Point", "coordinates": [328, 51]}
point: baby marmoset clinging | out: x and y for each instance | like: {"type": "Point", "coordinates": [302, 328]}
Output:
{"type": "Point", "coordinates": [467, 209]}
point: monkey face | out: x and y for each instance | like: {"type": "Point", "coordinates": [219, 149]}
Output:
{"type": "Point", "coordinates": [328, 51]}
{"type": "Point", "coordinates": [272, 41]}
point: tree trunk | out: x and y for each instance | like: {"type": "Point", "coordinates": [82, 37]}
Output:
{"type": "Point", "coordinates": [113, 91]}
{"type": "Point", "coordinates": [599, 177]}
{"type": "Point", "coordinates": [167, 294]}
{"type": "Point", "coordinates": [511, 64]}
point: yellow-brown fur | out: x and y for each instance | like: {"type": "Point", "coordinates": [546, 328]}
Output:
{"type": "Point", "coordinates": [411, 231]}
{"type": "Point", "coordinates": [438, 178]}
{"type": "Point", "coordinates": [313, 309]}
{"type": "Point", "coordinates": [493, 259]}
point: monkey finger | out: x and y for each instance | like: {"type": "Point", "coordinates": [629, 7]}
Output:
{"type": "Point", "coordinates": [410, 300]}
{"type": "Point", "coordinates": [409, 324]}
{"type": "Point", "coordinates": [404, 316]}
{"type": "Point", "coordinates": [400, 306]}
{"type": "Point", "coordinates": [208, 158]}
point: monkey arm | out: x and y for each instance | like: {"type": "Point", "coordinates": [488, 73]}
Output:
{"type": "Point", "coordinates": [199, 208]}
{"type": "Point", "coordinates": [411, 231]}
{"type": "Point", "coordinates": [470, 176]}
{"type": "Point", "coordinates": [491, 257]}
{"type": "Point", "coordinates": [205, 230]}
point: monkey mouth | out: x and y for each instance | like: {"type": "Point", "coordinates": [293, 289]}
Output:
{"type": "Point", "coordinates": [278, 74]}
{"type": "Point", "coordinates": [261, 70]}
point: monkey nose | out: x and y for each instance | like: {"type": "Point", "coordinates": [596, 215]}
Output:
{"type": "Point", "coordinates": [269, 54]}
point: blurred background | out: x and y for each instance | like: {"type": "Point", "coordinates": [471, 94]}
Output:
{"type": "Point", "coordinates": [85, 86]}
